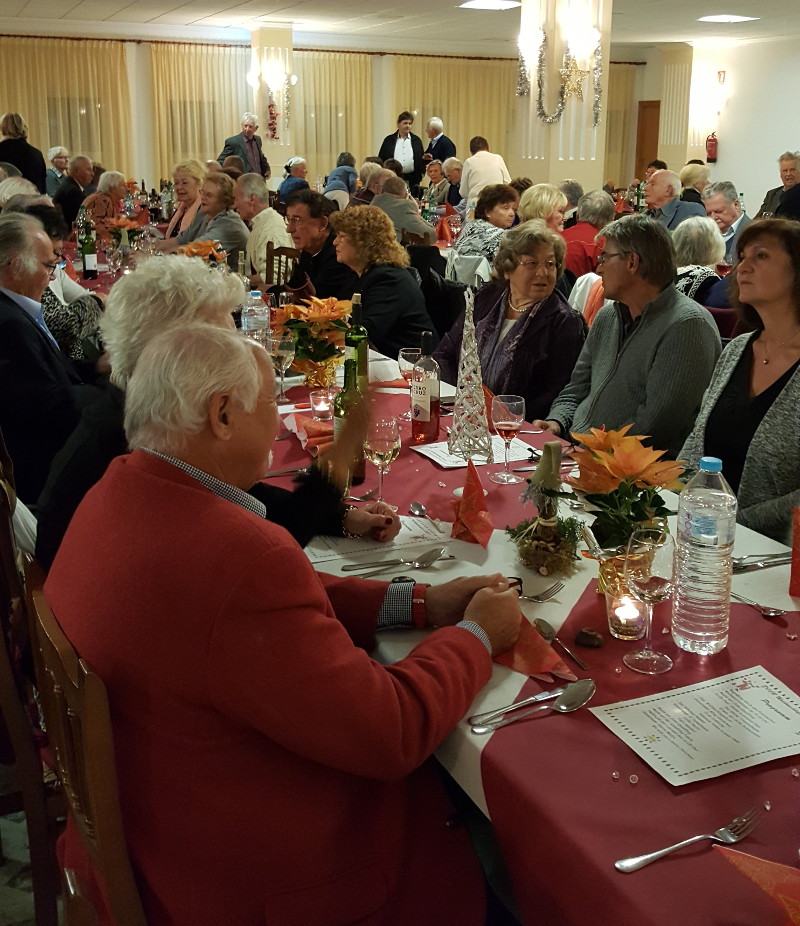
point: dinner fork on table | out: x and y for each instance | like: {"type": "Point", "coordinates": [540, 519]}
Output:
{"type": "Point", "coordinates": [546, 595]}
{"type": "Point", "coordinates": [734, 832]}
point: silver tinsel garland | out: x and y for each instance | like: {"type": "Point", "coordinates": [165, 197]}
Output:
{"type": "Point", "coordinates": [541, 70]}
{"type": "Point", "coordinates": [523, 77]}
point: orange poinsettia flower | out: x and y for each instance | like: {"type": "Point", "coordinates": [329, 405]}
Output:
{"type": "Point", "coordinates": [203, 249]}
{"type": "Point", "coordinates": [601, 439]}
{"type": "Point", "coordinates": [121, 223]}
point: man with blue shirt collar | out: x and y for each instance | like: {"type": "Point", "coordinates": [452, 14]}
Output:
{"type": "Point", "coordinates": [40, 390]}
{"type": "Point", "coordinates": [662, 196]}
{"type": "Point", "coordinates": [722, 205]}
{"type": "Point", "coordinates": [440, 146]}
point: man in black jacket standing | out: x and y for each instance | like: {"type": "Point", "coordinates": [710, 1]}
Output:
{"type": "Point", "coordinates": [247, 146]}
{"type": "Point", "coordinates": [406, 148]}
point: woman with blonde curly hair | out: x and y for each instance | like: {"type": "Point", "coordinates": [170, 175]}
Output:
{"type": "Point", "coordinates": [187, 178]}
{"type": "Point", "coordinates": [393, 306]}
{"type": "Point", "coordinates": [546, 202]}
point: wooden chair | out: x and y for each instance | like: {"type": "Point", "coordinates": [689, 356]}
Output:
{"type": "Point", "coordinates": [280, 264]}
{"type": "Point", "coordinates": [76, 711]}
{"type": "Point", "coordinates": [42, 801]}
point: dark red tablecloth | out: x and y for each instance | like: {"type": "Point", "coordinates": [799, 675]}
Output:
{"type": "Point", "coordinates": [413, 477]}
{"type": "Point", "coordinates": [562, 820]}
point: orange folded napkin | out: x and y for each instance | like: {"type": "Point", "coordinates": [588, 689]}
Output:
{"type": "Point", "coordinates": [443, 231]}
{"type": "Point", "coordinates": [473, 522]}
{"type": "Point", "coordinates": [449, 210]}
{"type": "Point", "coordinates": [533, 655]}
{"type": "Point", "coordinates": [315, 436]}
{"type": "Point", "coordinates": [392, 384]}
{"type": "Point", "coordinates": [780, 882]}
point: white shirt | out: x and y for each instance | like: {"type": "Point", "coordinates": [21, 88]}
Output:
{"type": "Point", "coordinates": [404, 153]}
{"type": "Point", "coordinates": [268, 225]}
{"type": "Point", "coordinates": [480, 170]}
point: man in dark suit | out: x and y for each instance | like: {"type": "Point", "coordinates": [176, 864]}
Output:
{"type": "Point", "coordinates": [40, 390]}
{"type": "Point", "coordinates": [440, 147]}
{"type": "Point", "coordinates": [247, 146]}
{"type": "Point", "coordinates": [662, 196]}
{"type": "Point", "coordinates": [406, 148]}
{"type": "Point", "coordinates": [72, 191]}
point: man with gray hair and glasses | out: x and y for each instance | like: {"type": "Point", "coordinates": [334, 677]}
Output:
{"type": "Point", "coordinates": [787, 163]}
{"type": "Point", "coordinates": [722, 205]}
{"type": "Point", "coordinates": [40, 389]}
{"type": "Point", "coordinates": [251, 201]}
{"type": "Point", "coordinates": [440, 147]}
{"type": "Point", "coordinates": [247, 146]}
{"type": "Point", "coordinates": [649, 356]}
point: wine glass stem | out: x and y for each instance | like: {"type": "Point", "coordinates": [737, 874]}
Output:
{"type": "Point", "coordinates": [648, 628]}
{"type": "Point", "coordinates": [380, 484]}
{"type": "Point", "coordinates": [282, 395]}
{"type": "Point", "coordinates": [507, 445]}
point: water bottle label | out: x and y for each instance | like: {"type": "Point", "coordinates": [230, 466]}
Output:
{"type": "Point", "coordinates": [708, 531]}
{"type": "Point", "coordinates": [421, 399]}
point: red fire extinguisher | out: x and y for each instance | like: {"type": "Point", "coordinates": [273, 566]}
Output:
{"type": "Point", "coordinates": [711, 148]}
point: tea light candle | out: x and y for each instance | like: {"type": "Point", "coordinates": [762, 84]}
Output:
{"type": "Point", "coordinates": [626, 617]}
{"type": "Point", "coordinates": [322, 403]}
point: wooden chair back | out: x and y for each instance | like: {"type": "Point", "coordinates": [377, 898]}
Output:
{"type": "Point", "coordinates": [76, 711]}
{"type": "Point", "coordinates": [42, 802]}
{"type": "Point", "coordinates": [280, 264]}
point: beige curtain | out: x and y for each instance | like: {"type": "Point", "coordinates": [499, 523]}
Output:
{"type": "Point", "coordinates": [621, 127]}
{"type": "Point", "coordinates": [332, 103]}
{"type": "Point", "coordinates": [70, 93]}
{"type": "Point", "coordinates": [472, 97]}
{"type": "Point", "coordinates": [199, 95]}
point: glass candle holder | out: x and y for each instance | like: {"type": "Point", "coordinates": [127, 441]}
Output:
{"type": "Point", "coordinates": [627, 616]}
{"type": "Point", "coordinates": [322, 403]}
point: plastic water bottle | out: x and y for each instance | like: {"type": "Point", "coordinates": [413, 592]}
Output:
{"type": "Point", "coordinates": [706, 525]}
{"type": "Point", "coordinates": [255, 317]}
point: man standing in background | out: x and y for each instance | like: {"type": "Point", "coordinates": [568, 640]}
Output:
{"type": "Point", "coordinates": [247, 146]}
{"type": "Point", "coordinates": [406, 148]}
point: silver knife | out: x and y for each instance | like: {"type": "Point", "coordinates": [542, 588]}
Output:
{"type": "Point", "coordinates": [285, 472]}
{"type": "Point", "coordinates": [763, 564]}
{"type": "Point", "coordinates": [491, 715]}
{"type": "Point", "coordinates": [350, 567]}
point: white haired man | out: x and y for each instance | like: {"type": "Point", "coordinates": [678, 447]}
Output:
{"type": "Point", "coordinates": [662, 197]}
{"type": "Point", "coordinates": [452, 169]}
{"type": "Point", "coordinates": [595, 211]}
{"type": "Point", "coordinates": [722, 204]}
{"type": "Point", "coordinates": [787, 163]}
{"type": "Point", "coordinates": [440, 147]}
{"type": "Point", "coordinates": [394, 201]}
{"type": "Point", "coordinates": [72, 190]}
{"type": "Point", "coordinates": [251, 201]}
{"type": "Point", "coordinates": [239, 648]}
{"type": "Point", "coordinates": [58, 157]}
{"type": "Point", "coordinates": [247, 146]}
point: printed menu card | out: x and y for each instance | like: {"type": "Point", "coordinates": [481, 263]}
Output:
{"type": "Point", "coordinates": [711, 728]}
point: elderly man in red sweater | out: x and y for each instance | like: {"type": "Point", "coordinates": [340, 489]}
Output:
{"type": "Point", "coordinates": [595, 211]}
{"type": "Point", "coordinates": [269, 770]}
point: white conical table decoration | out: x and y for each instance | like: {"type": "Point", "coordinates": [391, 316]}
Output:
{"type": "Point", "coordinates": [469, 436]}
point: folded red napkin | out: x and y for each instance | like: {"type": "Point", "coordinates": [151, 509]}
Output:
{"type": "Point", "coordinates": [449, 210]}
{"type": "Point", "coordinates": [315, 436]}
{"type": "Point", "coordinates": [444, 233]}
{"type": "Point", "coordinates": [532, 655]}
{"type": "Point", "coordinates": [473, 522]}
{"type": "Point", "coordinates": [780, 882]}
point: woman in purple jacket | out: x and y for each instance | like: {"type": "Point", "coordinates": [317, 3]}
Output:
{"type": "Point", "coordinates": [528, 336]}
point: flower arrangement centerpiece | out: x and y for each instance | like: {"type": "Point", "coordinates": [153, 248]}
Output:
{"type": "Point", "coordinates": [209, 251]}
{"type": "Point", "coordinates": [318, 326]}
{"type": "Point", "coordinates": [621, 478]}
{"type": "Point", "coordinates": [123, 231]}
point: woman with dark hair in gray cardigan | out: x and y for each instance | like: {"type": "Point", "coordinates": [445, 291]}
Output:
{"type": "Point", "coordinates": [749, 416]}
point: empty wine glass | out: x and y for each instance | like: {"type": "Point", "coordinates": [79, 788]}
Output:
{"type": "Point", "coordinates": [406, 359]}
{"type": "Point", "coordinates": [281, 348]}
{"type": "Point", "coordinates": [508, 415]}
{"type": "Point", "coordinates": [381, 447]}
{"type": "Point", "coordinates": [114, 260]}
{"type": "Point", "coordinates": [648, 574]}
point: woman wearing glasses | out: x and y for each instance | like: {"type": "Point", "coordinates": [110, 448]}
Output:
{"type": "Point", "coordinates": [528, 336]}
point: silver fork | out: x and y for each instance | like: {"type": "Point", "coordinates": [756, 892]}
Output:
{"type": "Point", "coordinates": [546, 595]}
{"type": "Point", "coordinates": [366, 497]}
{"type": "Point", "coordinates": [735, 831]}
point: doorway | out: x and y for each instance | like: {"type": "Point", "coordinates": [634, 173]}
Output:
{"type": "Point", "coordinates": [647, 134]}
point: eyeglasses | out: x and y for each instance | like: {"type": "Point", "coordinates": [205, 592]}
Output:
{"type": "Point", "coordinates": [292, 221]}
{"type": "Point", "coordinates": [548, 266]}
{"type": "Point", "coordinates": [51, 267]}
{"type": "Point", "coordinates": [603, 256]}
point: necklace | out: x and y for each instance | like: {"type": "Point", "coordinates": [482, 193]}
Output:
{"type": "Point", "coordinates": [517, 311]}
{"type": "Point", "coordinates": [763, 343]}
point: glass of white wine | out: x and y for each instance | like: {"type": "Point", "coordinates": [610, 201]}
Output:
{"type": "Point", "coordinates": [281, 348]}
{"type": "Point", "coordinates": [381, 447]}
{"type": "Point", "coordinates": [648, 574]}
{"type": "Point", "coordinates": [508, 415]}
{"type": "Point", "coordinates": [406, 359]}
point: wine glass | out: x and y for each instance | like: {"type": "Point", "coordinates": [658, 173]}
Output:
{"type": "Point", "coordinates": [381, 447]}
{"type": "Point", "coordinates": [114, 260]}
{"type": "Point", "coordinates": [406, 359]}
{"type": "Point", "coordinates": [508, 415]}
{"type": "Point", "coordinates": [648, 574]}
{"type": "Point", "coordinates": [281, 348]}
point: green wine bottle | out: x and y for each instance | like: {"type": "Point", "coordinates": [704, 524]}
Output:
{"type": "Point", "coordinates": [345, 400]}
{"type": "Point", "coordinates": [356, 344]}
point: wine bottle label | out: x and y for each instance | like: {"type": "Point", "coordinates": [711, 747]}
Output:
{"type": "Point", "coordinates": [421, 394]}
{"type": "Point", "coordinates": [349, 352]}
{"type": "Point", "coordinates": [90, 261]}
{"type": "Point", "coordinates": [338, 424]}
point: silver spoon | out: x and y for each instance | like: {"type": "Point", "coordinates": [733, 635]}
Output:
{"type": "Point", "coordinates": [753, 557]}
{"type": "Point", "coordinates": [574, 696]}
{"type": "Point", "coordinates": [420, 511]}
{"type": "Point", "coordinates": [765, 612]}
{"type": "Point", "coordinates": [421, 562]}
{"type": "Point", "coordinates": [549, 633]}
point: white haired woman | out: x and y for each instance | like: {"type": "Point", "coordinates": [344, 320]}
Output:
{"type": "Point", "coordinates": [57, 157]}
{"type": "Point", "coordinates": [699, 247]}
{"type": "Point", "coordinates": [217, 220]}
{"type": "Point", "coordinates": [296, 173]}
{"type": "Point", "coordinates": [15, 186]}
{"type": "Point", "coordinates": [694, 179]}
{"type": "Point", "coordinates": [162, 294]}
{"type": "Point", "coordinates": [106, 203]}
